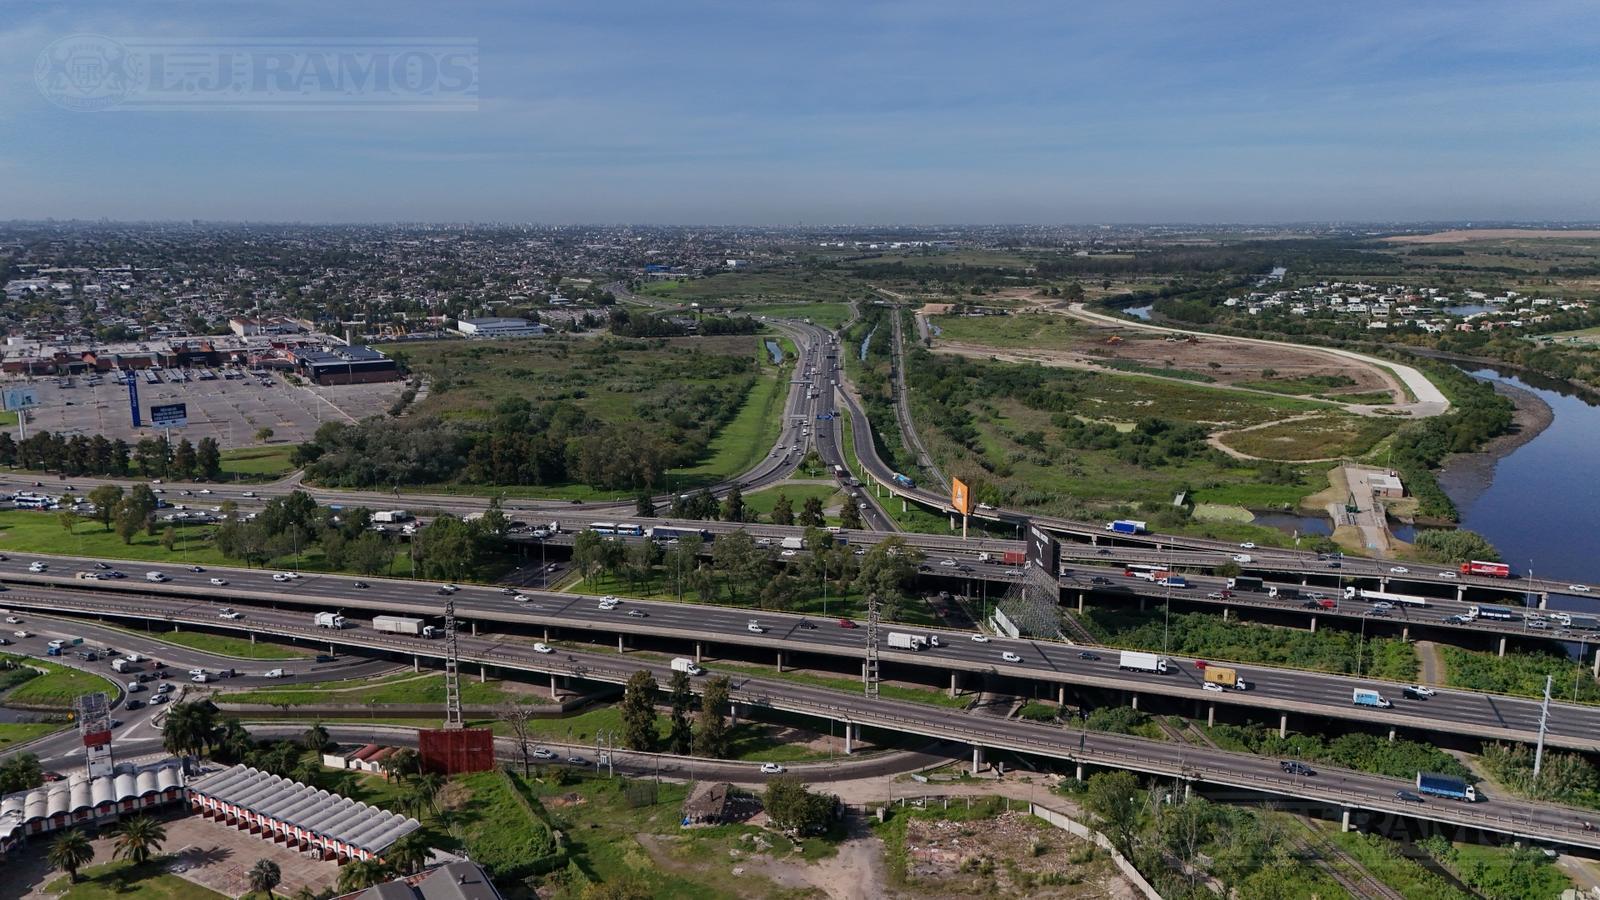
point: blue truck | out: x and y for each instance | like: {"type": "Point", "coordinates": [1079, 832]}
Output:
{"type": "Point", "coordinates": [902, 480]}
{"type": "Point", "coordinates": [1126, 526]}
{"type": "Point", "coordinates": [1448, 786]}
{"type": "Point", "coordinates": [663, 533]}
{"type": "Point", "coordinates": [1369, 697]}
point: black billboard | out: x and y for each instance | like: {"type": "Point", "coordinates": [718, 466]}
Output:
{"type": "Point", "coordinates": [1044, 550]}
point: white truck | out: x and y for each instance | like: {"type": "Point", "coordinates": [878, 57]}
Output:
{"type": "Point", "coordinates": [391, 516]}
{"type": "Point", "coordinates": [403, 625]}
{"type": "Point", "coordinates": [156, 577]}
{"type": "Point", "coordinates": [794, 543]}
{"type": "Point", "coordinates": [1135, 661]}
{"type": "Point", "coordinates": [903, 641]}
{"type": "Point", "coordinates": [120, 665]}
{"type": "Point", "coordinates": [687, 665]}
{"type": "Point", "coordinates": [329, 620]}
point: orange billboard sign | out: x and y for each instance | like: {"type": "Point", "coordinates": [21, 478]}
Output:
{"type": "Point", "coordinates": [960, 496]}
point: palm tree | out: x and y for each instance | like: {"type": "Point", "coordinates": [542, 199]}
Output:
{"type": "Point", "coordinates": [428, 785]}
{"type": "Point", "coordinates": [347, 785]}
{"type": "Point", "coordinates": [362, 873]}
{"type": "Point", "coordinates": [138, 838]}
{"type": "Point", "coordinates": [71, 851]}
{"type": "Point", "coordinates": [234, 741]}
{"type": "Point", "coordinates": [264, 876]}
{"type": "Point", "coordinates": [409, 853]}
{"type": "Point", "coordinates": [401, 763]}
{"type": "Point", "coordinates": [316, 738]}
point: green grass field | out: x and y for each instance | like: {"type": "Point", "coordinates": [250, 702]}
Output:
{"type": "Point", "coordinates": [57, 688]}
{"type": "Point", "coordinates": [763, 501]}
{"type": "Point", "coordinates": [224, 645]}
{"type": "Point", "coordinates": [122, 880]}
{"type": "Point", "coordinates": [1326, 436]}
{"type": "Point", "coordinates": [21, 732]}
{"type": "Point", "coordinates": [828, 315]}
{"type": "Point", "coordinates": [405, 688]}
{"type": "Point", "coordinates": [810, 601]}
{"type": "Point", "coordinates": [744, 440]}
{"type": "Point", "coordinates": [1024, 330]}
{"type": "Point", "coordinates": [257, 463]}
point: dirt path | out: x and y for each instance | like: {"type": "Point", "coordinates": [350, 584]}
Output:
{"type": "Point", "coordinates": [1433, 669]}
{"type": "Point", "coordinates": [1215, 439]}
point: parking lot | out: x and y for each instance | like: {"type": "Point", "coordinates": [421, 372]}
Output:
{"type": "Point", "coordinates": [230, 410]}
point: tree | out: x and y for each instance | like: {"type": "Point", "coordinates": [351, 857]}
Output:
{"type": "Point", "coordinates": [711, 734]}
{"type": "Point", "coordinates": [190, 728]}
{"type": "Point", "coordinates": [183, 460]}
{"type": "Point", "coordinates": [1117, 804]}
{"type": "Point", "coordinates": [20, 773]}
{"type": "Point", "coordinates": [782, 510]}
{"type": "Point", "coordinates": [138, 838]}
{"type": "Point", "coordinates": [70, 852]}
{"type": "Point", "coordinates": [316, 738]}
{"type": "Point", "coordinates": [369, 554]}
{"type": "Point", "coordinates": [68, 519]}
{"type": "Point", "coordinates": [425, 788]}
{"type": "Point", "coordinates": [811, 513]}
{"type": "Point", "coordinates": [264, 434]}
{"type": "Point", "coordinates": [680, 740]}
{"type": "Point", "coordinates": [849, 515]}
{"type": "Point", "coordinates": [360, 874]}
{"type": "Point", "coordinates": [639, 711]}
{"type": "Point", "coordinates": [105, 499]}
{"type": "Point", "coordinates": [795, 809]}
{"type": "Point", "coordinates": [733, 505]}
{"type": "Point", "coordinates": [519, 719]}
{"type": "Point", "coordinates": [264, 876]}
{"type": "Point", "coordinates": [208, 459]}
{"type": "Point", "coordinates": [586, 552]}
{"type": "Point", "coordinates": [409, 853]}
{"type": "Point", "coordinates": [644, 506]}
{"type": "Point", "coordinates": [401, 763]}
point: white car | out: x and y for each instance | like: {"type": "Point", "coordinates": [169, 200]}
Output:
{"type": "Point", "coordinates": [248, 494]}
{"type": "Point", "coordinates": [1450, 575]}
{"type": "Point", "coordinates": [205, 490]}
{"type": "Point", "coordinates": [772, 769]}
{"type": "Point", "coordinates": [1242, 558]}
{"type": "Point", "coordinates": [200, 679]}
{"type": "Point", "coordinates": [37, 567]}
{"type": "Point", "coordinates": [506, 590]}
{"type": "Point", "coordinates": [1399, 570]}
{"type": "Point", "coordinates": [197, 671]}
{"type": "Point", "coordinates": [20, 634]}
{"type": "Point", "coordinates": [609, 603]}
{"type": "Point", "coordinates": [786, 553]}
{"type": "Point", "coordinates": [947, 563]}
{"type": "Point", "coordinates": [1008, 656]}
{"type": "Point", "coordinates": [230, 614]}
{"type": "Point", "coordinates": [1424, 691]}
{"type": "Point", "coordinates": [219, 582]}
{"type": "Point", "coordinates": [1383, 605]}
{"type": "Point", "coordinates": [755, 627]}
{"type": "Point", "coordinates": [270, 673]}
{"type": "Point", "coordinates": [279, 576]}
{"type": "Point", "coordinates": [980, 639]}
{"type": "Point", "coordinates": [450, 587]}
{"type": "Point", "coordinates": [1578, 588]}
{"type": "Point", "coordinates": [543, 648]}
{"type": "Point", "coordinates": [523, 598]}
{"type": "Point", "coordinates": [13, 620]}
{"type": "Point", "coordinates": [1211, 686]}
{"type": "Point", "coordinates": [1247, 545]}
{"type": "Point", "coordinates": [542, 753]}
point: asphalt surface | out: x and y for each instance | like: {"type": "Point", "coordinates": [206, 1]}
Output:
{"type": "Point", "coordinates": [1453, 711]}
{"type": "Point", "coordinates": [1541, 821]}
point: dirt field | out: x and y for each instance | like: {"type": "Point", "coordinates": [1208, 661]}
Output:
{"type": "Point", "coordinates": [1488, 234]}
{"type": "Point", "coordinates": [229, 411]}
{"type": "Point", "coordinates": [1010, 855]}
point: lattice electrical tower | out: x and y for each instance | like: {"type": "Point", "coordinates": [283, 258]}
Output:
{"type": "Point", "coordinates": [870, 675]}
{"type": "Point", "coordinates": [452, 666]}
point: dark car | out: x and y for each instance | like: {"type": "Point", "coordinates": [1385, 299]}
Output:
{"type": "Point", "coordinates": [1099, 579]}
{"type": "Point", "coordinates": [1335, 564]}
{"type": "Point", "coordinates": [325, 657]}
{"type": "Point", "coordinates": [846, 623]}
{"type": "Point", "coordinates": [362, 584]}
{"type": "Point", "coordinates": [1085, 654]}
{"type": "Point", "coordinates": [133, 704]}
{"type": "Point", "coordinates": [1411, 694]}
{"type": "Point", "coordinates": [808, 626]}
{"type": "Point", "coordinates": [1311, 604]}
{"type": "Point", "coordinates": [1296, 767]}
{"type": "Point", "coordinates": [1407, 797]}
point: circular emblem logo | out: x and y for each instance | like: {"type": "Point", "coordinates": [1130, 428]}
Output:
{"type": "Point", "coordinates": [84, 72]}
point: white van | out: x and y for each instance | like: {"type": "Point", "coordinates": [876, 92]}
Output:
{"type": "Point", "coordinates": [155, 576]}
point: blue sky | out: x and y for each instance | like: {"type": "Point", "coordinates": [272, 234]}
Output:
{"type": "Point", "coordinates": [850, 112]}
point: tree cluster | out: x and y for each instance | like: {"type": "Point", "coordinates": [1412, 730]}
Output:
{"type": "Point", "coordinates": [80, 455]}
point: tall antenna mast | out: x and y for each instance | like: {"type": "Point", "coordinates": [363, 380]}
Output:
{"type": "Point", "coordinates": [870, 676]}
{"type": "Point", "coordinates": [452, 665]}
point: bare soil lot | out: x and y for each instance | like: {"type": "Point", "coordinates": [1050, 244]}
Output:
{"type": "Point", "coordinates": [1010, 855]}
{"type": "Point", "coordinates": [229, 411]}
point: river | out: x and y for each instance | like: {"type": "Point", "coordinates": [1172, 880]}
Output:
{"type": "Point", "coordinates": [1540, 504]}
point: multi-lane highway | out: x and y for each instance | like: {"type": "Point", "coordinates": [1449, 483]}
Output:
{"type": "Point", "coordinates": [1062, 666]}
{"type": "Point", "coordinates": [1540, 821]}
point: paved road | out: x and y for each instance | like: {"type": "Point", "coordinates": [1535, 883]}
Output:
{"type": "Point", "coordinates": [1541, 821]}
{"type": "Point", "coordinates": [1281, 690]}
{"type": "Point", "coordinates": [143, 724]}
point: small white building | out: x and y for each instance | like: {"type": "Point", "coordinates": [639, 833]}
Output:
{"type": "Point", "coordinates": [491, 328]}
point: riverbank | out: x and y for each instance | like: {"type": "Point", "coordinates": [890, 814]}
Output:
{"type": "Point", "coordinates": [1465, 476]}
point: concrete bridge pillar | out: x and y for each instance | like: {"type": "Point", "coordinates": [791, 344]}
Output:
{"type": "Point", "coordinates": [1313, 624]}
{"type": "Point", "coordinates": [252, 637]}
{"type": "Point", "coordinates": [1188, 790]}
{"type": "Point", "coordinates": [733, 713]}
{"type": "Point", "coordinates": [483, 674]}
{"type": "Point", "coordinates": [698, 649]}
{"type": "Point", "coordinates": [1080, 601]}
{"type": "Point", "coordinates": [903, 505]}
{"type": "Point", "coordinates": [1061, 695]}
{"type": "Point", "coordinates": [1391, 734]}
{"type": "Point", "coordinates": [1544, 599]}
{"type": "Point", "coordinates": [1383, 583]}
{"type": "Point", "coordinates": [555, 680]}
{"type": "Point", "coordinates": [1080, 772]}
{"type": "Point", "coordinates": [1461, 592]}
{"type": "Point", "coordinates": [954, 681]}
{"type": "Point", "coordinates": [1283, 726]}
{"type": "Point", "coordinates": [852, 733]}
{"type": "Point", "coordinates": [977, 759]}
{"type": "Point", "coordinates": [621, 647]}
{"type": "Point", "coordinates": [1133, 700]}
{"type": "Point", "coordinates": [1405, 632]}
{"type": "Point", "coordinates": [1225, 612]}
{"type": "Point", "coordinates": [1502, 645]}
{"type": "Point", "coordinates": [474, 628]}
{"type": "Point", "coordinates": [416, 663]}
{"type": "Point", "coordinates": [1211, 715]}
{"type": "Point", "coordinates": [1597, 664]}
{"type": "Point", "coordinates": [1344, 820]}
{"type": "Point", "coordinates": [1305, 580]}
{"type": "Point", "coordinates": [547, 634]}
{"type": "Point", "coordinates": [780, 660]}
{"type": "Point", "coordinates": [331, 651]}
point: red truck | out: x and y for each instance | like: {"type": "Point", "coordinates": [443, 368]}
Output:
{"type": "Point", "coordinates": [1492, 569]}
{"type": "Point", "coordinates": [1009, 557]}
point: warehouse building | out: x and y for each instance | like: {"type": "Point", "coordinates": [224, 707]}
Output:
{"type": "Point", "coordinates": [344, 365]}
{"type": "Point", "coordinates": [81, 800]}
{"type": "Point", "coordinates": [499, 328]}
{"type": "Point", "coordinates": [303, 817]}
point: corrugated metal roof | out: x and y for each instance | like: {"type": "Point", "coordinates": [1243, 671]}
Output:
{"type": "Point", "coordinates": [329, 815]}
